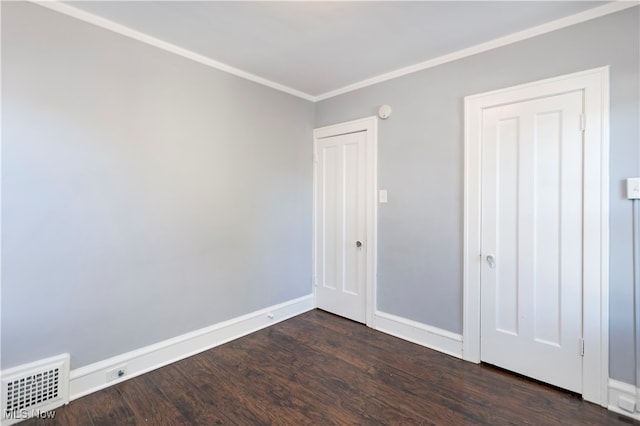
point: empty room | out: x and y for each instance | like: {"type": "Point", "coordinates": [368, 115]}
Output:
{"type": "Point", "coordinates": [320, 212]}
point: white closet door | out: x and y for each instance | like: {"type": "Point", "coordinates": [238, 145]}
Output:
{"type": "Point", "coordinates": [532, 222]}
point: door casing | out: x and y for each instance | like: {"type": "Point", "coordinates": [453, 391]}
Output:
{"type": "Point", "coordinates": [369, 125]}
{"type": "Point", "coordinates": [595, 305]}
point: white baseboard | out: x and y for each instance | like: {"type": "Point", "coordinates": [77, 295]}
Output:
{"type": "Point", "coordinates": [619, 393]}
{"type": "Point", "coordinates": [421, 334]}
{"type": "Point", "coordinates": [93, 377]}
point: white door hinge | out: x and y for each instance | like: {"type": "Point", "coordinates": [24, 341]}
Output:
{"type": "Point", "coordinates": [315, 281]}
{"type": "Point", "coordinates": [581, 347]}
{"type": "Point", "coordinates": [583, 122]}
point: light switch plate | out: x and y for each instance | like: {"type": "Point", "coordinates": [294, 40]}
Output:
{"type": "Point", "coordinates": [633, 188]}
{"type": "Point", "coordinates": [383, 196]}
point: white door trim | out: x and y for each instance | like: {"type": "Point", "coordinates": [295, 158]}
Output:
{"type": "Point", "coordinates": [595, 85]}
{"type": "Point", "coordinates": [370, 126]}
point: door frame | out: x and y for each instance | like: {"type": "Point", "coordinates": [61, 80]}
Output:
{"type": "Point", "coordinates": [595, 303]}
{"type": "Point", "coordinates": [369, 125]}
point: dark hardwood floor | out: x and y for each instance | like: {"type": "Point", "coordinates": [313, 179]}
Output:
{"type": "Point", "coordinates": [321, 369]}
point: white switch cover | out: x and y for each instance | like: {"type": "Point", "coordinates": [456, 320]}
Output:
{"type": "Point", "coordinates": [633, 188]}
{"type": "Point", "coordinates": [383, 196]}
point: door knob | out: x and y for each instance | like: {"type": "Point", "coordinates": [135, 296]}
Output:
{"type": "Point", "coordinates": [358, 244]}
{"type": "Point", "coordinates": [491, 260]}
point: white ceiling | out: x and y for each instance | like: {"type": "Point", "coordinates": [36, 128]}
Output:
{"type": "Point", "coordinates": [319, 47]}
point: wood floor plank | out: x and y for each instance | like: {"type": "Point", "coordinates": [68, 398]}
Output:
{"type": "Point", "coordinates": [320, 369]}
{"type": "Point", "coordinates": [274, 375]}
{"type": "Point", "coordinates": [108, 407]}
{"type": "Point", "coordinates": [364, 385]}
{"type": "Point", "coordinates": [148, 402]}
{"type": "Point", "coordinates": [410, 376]}
{"type": "Point", "coordinates": [476, 385]}
{"type": "Point", "coordinates": [194, 403]}
{"type": "Point", "coordinates": [226, 392]}
{"type": "Point", "coordinates": [76, 414]}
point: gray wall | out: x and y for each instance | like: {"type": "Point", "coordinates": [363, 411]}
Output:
{"type": "Point", "coordinates": [143, 195]}
{"type": "Point", "coordinates": [421, 165]}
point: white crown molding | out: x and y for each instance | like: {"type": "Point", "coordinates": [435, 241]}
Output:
{"type": "Point", "coordinates": [489, 45]}
{"type": "Point", "coordinates": [483, 47]}
{"type": "Point", "coordinates": [161, 44]}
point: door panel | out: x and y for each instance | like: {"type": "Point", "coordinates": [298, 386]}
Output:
{"type": "Point", "coordinates": [341, 223]}
{"type": "Point", "coordinates": [531, 290]}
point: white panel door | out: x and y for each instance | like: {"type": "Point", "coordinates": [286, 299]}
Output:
{"type": "Point", "coordinates": [340, 225]}
{"type": "Point", "coordinates": [532, 222]}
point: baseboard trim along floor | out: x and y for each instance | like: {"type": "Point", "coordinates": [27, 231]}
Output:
{"type": "Point", "coordinates": [97, 376]}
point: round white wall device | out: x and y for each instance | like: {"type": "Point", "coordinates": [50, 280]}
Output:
{"type": "Point", "coordinates": [384, 112]}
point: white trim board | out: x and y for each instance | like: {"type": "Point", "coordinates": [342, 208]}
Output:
{"type": "Point", "coordinates": [169, 47]}
{"type": "Point", "coordinates": [424, 335]}
{"type": "Point", "coordinates": [568, 21]}
{"type": "Point", "coordinates": [93, 377]}
{"type": "Point", "coordinates": [595, 86]}
{"type": "Point", "coordinates": [548, 27]}
{"type": "Point", "coordinates": [622, 391]}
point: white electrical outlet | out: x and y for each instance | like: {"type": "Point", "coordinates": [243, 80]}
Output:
{"type": "Point", "coordinates": [116, 373]}
{"type": "Point", "coordinates": [633, 188]}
